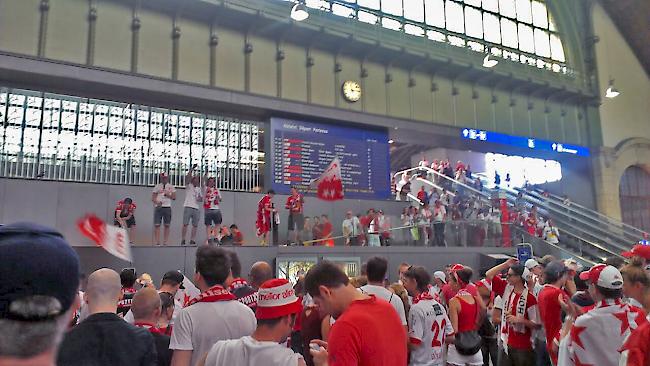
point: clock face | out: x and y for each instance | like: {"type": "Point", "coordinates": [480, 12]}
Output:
{"type": "Point", "coordinates": [351, 91]}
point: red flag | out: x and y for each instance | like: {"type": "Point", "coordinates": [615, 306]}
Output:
{"type": "Point", "coordinates": [330, 185]}
{"type": "Point", "coordinates": [113, 239]}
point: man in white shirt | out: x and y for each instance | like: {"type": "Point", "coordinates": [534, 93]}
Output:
{"type": "Point", "coordinates": [376, 269]}
{"type": "Point", "coordinates": [551, 233]}
{"type": "Point", "coordinates": [439, 217]}
{"type": "Point", "coordinates": [429, 326]}
{"type": "Point", "coordinates": [351, 228]}
{"type": "Point", "coordinates": [193, 198]}
{"type": "Point", "coordinates": [162, 196]}
{"type": "Point", "coordinates": [276, 312]}
{"type": "Point", "coordinates": [213, 315]}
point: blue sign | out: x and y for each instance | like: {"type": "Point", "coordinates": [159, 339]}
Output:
{"type": "Point", "coordinates": [301, 151]}
{"type": "Point", "coordinates": [524, 252]}
{"type": "Point", "coordinates": [525, 142]}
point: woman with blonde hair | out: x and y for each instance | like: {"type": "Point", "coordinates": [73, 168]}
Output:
{"type": "Point", "coordinates": [636, 284]}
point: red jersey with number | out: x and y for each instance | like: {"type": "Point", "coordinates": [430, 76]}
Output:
{"type": "Point", "coordinates": [368, 333]}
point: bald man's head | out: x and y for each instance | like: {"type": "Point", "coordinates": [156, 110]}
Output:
{"type": "Point", "coordinates": [260, 273]}
{"type": "Point", "coordinates": [103, 290]}
{"type": "Point", "coordinates": [146, 305]}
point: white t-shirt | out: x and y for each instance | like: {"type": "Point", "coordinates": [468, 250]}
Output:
{"type": "Point", "coordinates": [551, 235]}
{"type": "Point", "coordinates": [428, 325]}
{"type": "Point", "coordinates": [160, 191]}
{"type": "Point", "coordinates": [212, 198]}
{"type": "Point", "coordinates": [201, 325]}
{"type": "Point", "coordinates": [351, 227]}
{"type": "Point", "coordinates": [247, 351]}
{"type": "Point", "coordinates": [192, 196]}
{"type": "Point", "coordinates": [390, 297]}
{"type": "Point", "coordinates": [439, 213]}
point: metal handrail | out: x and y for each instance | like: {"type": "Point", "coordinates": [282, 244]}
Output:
{"type": "Point", "coordinates": [586, 210]}
{"type": "Point", "coordinates": [485, 196]}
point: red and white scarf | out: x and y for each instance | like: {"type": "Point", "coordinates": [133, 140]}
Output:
{"type": "Point", "coordinates": [151, 327]}
{"type": "Point", "coordinates": [213, 294]}
{"type": "Point", "coordinates": [520, 311]}
{"type": "Point", "coordinates": [422, 296]}
{"type": "Point", "coordinates": [237, 283]}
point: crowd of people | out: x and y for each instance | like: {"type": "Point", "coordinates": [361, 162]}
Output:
{"type": "Point", "coordinates": [541, 312]}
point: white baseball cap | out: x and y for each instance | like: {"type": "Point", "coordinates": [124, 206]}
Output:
{"type": "Point", "coordinates": [440, 275]}
{"type": "Point", "coordinates": [531, 263]}
{"type": "Point", "coordinates": [603, 276]}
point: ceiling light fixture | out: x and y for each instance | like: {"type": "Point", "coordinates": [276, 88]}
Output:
{"type": "Point", "coordinates": [611, 91]}
{"type": "Point", "coordinates": [489, 63]}
{"type": "Point", "coordinates": [299, 12]}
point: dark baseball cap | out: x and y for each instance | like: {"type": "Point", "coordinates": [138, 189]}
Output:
{"type": "Point", "coordinates": [555, 268]}
{"type": "Point", "coordinates": [175, 276]}
{"type": "Point", "coordinates": [36, 261]}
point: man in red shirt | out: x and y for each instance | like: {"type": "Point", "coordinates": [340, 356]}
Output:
{"type": "Point", "coordinates": [519, 316]}
{"type": "Point", "coordinates": [326, 232]}
{"type": "Point", "coordinates": [295, 204]}
{"type": "Point", "coordinates": [550, 310]}
{"type": "Point", "coordinates": [367, 331]}
{"type": "Point", "coordinates": [265, 212]}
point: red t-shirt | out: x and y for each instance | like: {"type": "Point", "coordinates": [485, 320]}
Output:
{"type": "Point", "coordinates": [517, 340]}
{"type": "Point", "coordinates": [368, 333]}
{"type": "Point", "coordinates": [550, 313]}
{"type": "Point", "coordinates": [326, 229]}
{"type": "Point", "coordinates": [238, 237]}
{"type": "Point", "coordinates": [295, 204]}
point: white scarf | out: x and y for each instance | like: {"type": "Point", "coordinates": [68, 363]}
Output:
{"type": "Point", "coordinates": [520, 310]}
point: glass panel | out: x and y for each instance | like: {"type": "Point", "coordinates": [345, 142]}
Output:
{"type": "Point", "coordinates": [454, 16]}
{"type": "Point", "coordinates": [507, 8]}
{"type": "Point", "coordinates": [523, 11]}
{"type": "Point", "coordinates": [551, 25]}
{"type": "Point", "coordinates": [435, 13]}
{"type": "Point", "coordinates": [476, 3]}
{"type": "Point", "coordinates": [318, 4]}
{"type": "Point", "coordinates": [436, 36]}
{"type": "Point", "coordinates": [391, 24]}
{"type": "Point", "coordinates": [414, 30]}
{"type": "Point", "coordinates": [557, 51]}
{"type": "Point", "coordinates": [367, 17]}
{"type": "Point", "coordinates": [372, 4]}
{"type": "Point", "coordinates": [393, 7]}
{"type": "Point", "coordinates": [509, 33]}
{"type": "Point", "coordinates": [456, 41]}
{"type": "Point", "coordinates": [414, 10]}
{"type": "Point", "coordinates": [526, 42]}
{"type": "Point", "coordinates": [540, 15]}
{"type": "Point", "coordinates": [491, 28]}
{"type": "Point", "coordinates": [542, 46]}
{"type": "Point", "coordinates": [341, 10]}
{"type": "Point", "coordinates": [474, 22]}
{"type": "Point", "coordinates": [491, 5]}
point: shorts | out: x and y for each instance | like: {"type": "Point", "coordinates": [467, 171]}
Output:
{"type": "Point", "coordinates": [455, 358]}
{"type": "Point", "coordinates": [129, 223]}
{"type": "Point", "coordinates": [213, 217]}
{"type": "Point", "coordinates": [163, 214]}
{"type": "Point", "coordinates": [190, 213]}
{"type": "Point", "coordinates": [296, 221]}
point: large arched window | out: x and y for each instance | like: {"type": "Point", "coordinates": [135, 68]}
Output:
{"type": "Point", "coordinates": [518, 30]}
{"type": "Point", "coordinates": [634, 193]}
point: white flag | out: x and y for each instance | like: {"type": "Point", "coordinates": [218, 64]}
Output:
{"type": "Point", "coordinates": [114, 240]}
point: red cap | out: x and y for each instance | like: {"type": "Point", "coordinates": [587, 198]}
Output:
{"type": "Point", "coordinates": [638, 250]}
{"type": "Point", "coordinates": [603, 276]}
{"type": "Point", "coordinates": [276, 298]}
